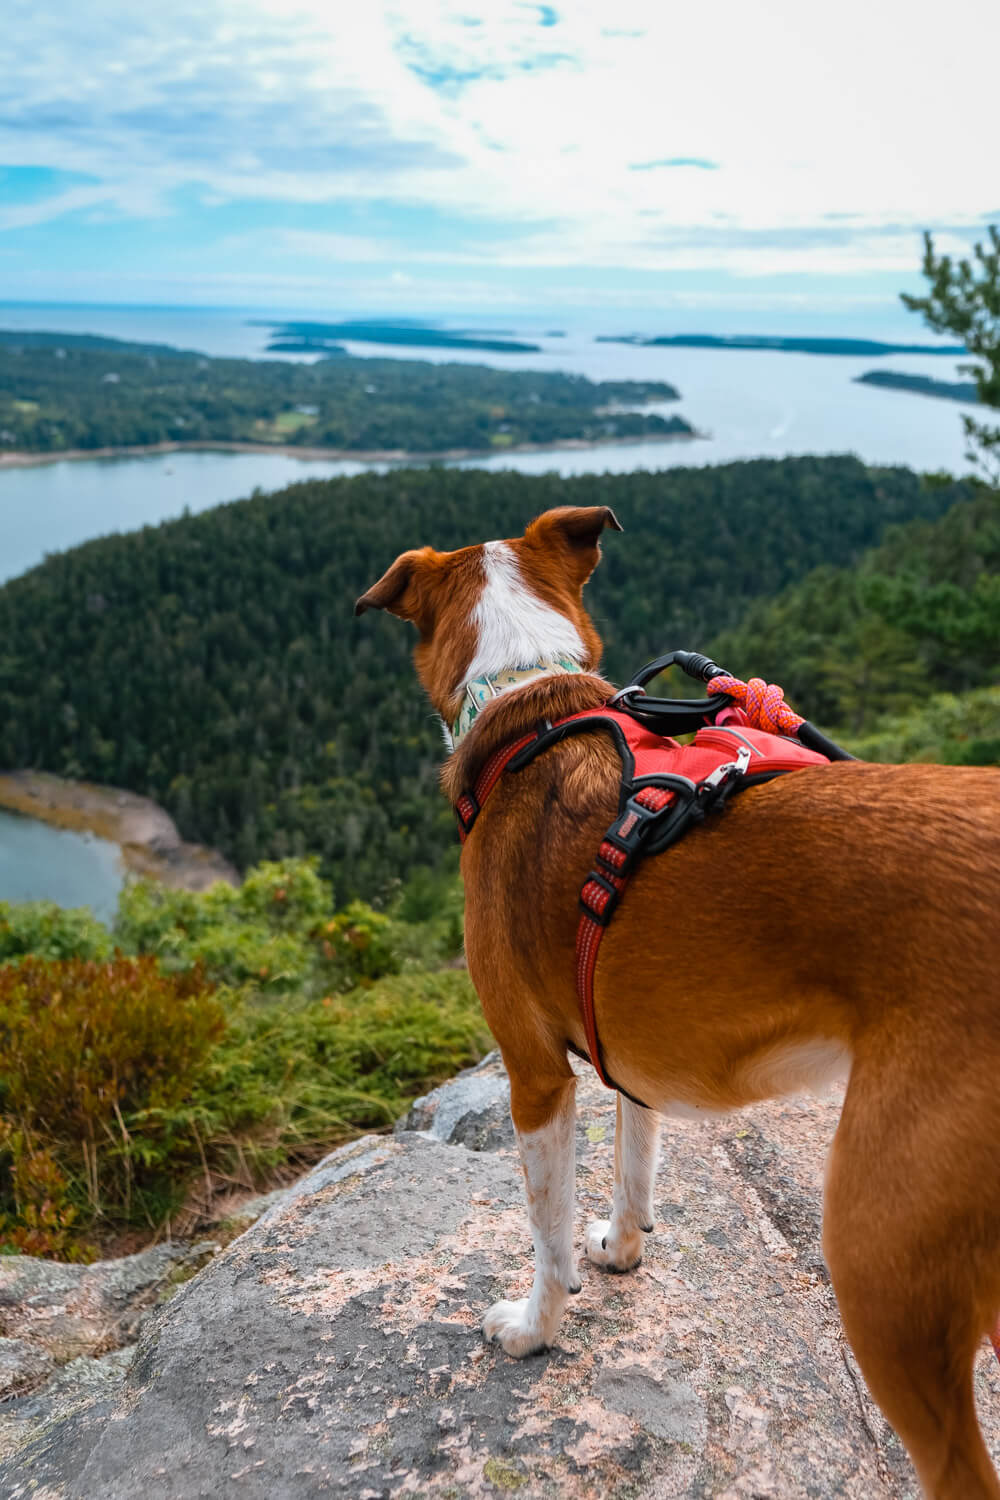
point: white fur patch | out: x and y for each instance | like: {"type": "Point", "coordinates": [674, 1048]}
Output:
{"type": "Point", "coordinates": [617, 1242]}
{"type": "Point", "coordinates": [515, 627]}
{"type": "Point", "coordinates": [796, 1068]}
{"type": "Point", "coordinates": [809, 1067]}
{"type": "Point", "coordinates": [548, 1157]}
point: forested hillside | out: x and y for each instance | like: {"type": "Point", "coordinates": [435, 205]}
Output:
{"type": "Point", "coordinates": [215, 664]}
{"type": "Point", "coordinates": [919, 614]}
{"type": "Point", "coordinates": [58, 392]}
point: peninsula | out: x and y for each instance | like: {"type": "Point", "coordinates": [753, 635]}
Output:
{"type": "Point", "coordinates": [150, 844]}
{"type": "Point", "coordinates": [61, 396]}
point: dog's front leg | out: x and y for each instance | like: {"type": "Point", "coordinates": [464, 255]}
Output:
{"type": "Point", "coordinates": [616, 1244]}
{"type": "Point", "coordinates": [545, 1121]}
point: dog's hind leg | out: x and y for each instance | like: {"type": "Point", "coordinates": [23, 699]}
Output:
{"type": "Point", "coordinates": [908, 1243]}
{"type": "Point", "coordinates": [544, 1117]}
{"type": "Point", "coordinates": [616, 1243]}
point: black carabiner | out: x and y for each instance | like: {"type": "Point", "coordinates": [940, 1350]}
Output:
{"type": "Point", "coordinates": [672, 715]}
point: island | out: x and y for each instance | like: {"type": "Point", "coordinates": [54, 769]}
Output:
{"type": "Point", "coordinates": [63, 396]}
{"type": "Point", "coordinates": [820, 345]}
{"type": "Point", "coordinates": [326, 348]}
{"type": "Point", "coordinates": [319, 338]}
{"type": "Point", "coordinates": [921, 385]}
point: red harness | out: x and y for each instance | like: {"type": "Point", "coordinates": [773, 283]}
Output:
{"type": "Point", "coordinates": [665, 789]}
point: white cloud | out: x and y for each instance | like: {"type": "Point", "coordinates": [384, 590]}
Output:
{"type": "Point", "coordinates": [72, 200]}
{"type": "Point", "coordinates": [806, 250]}
{"type": "Point", "coordinates": [862, 112]}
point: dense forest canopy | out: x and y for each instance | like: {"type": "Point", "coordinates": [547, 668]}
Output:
{"type": "Point", "coordinates": [58, 392]}
{"type": "Point", "coordinates": [215, 664]}
{"type": "Point", "coordinates": [918, 614]}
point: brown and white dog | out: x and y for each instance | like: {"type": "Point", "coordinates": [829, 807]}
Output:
{"type": "Point", "coordinates": [861, 904]}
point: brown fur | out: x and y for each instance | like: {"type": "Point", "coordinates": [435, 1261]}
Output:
{"type": "Point", "coordinates": [853, 906]}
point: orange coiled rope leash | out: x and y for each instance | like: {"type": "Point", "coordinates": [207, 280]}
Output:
{"type": "Point", "coordinates": [762, 702]}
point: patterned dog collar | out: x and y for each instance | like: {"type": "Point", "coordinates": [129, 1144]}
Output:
{"type": "Point", "coordinates": [480, 690]}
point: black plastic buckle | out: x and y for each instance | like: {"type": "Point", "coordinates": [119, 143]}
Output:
{"type": "Point", "coordinates": [467, 810]}
{"type": "Point", "coordinates": [601, 917]}
{"type": "Point", "coordinates": [628, 832]}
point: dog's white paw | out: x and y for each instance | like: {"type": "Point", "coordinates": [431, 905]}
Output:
{"type": "Point", "coordinates": [508, 1324]}
{"type": "Point", "coordinates": [615, 1252]}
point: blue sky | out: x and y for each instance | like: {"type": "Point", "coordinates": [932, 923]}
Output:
{"type": "Point", "coordinates": [729, 165]}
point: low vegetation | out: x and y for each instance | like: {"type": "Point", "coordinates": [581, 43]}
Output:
{"type": "Point", "coordinates": [210, 1045]}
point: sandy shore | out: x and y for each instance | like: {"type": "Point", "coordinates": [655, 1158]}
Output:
{"type": "Point", "coordinates": [147, 836]}
{"type": "Point", "coordinates": [21, 460]}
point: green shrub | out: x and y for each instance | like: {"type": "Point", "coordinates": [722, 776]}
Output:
{"type": "Point", "coordinates": [129, 1094]}
{"type": "Point", "coordinates": [960, 729]}
{"type": "Point", "coordinates": [429, 915]}
{"type": "Point", "coordinates": [133, 1093]}
{"type": "Point", "coordinates": [96, 1056]}
{"type": "Point", "coordinates": [357, 947]}
{"type": "Point", "coordinates": [288, 893]}
{"type": "Point", "coordinates": [288, 1080]}
{"type": "Point", "coordinates": [277, 932]}
{"type": "Point", "coordinates": [50, 931]}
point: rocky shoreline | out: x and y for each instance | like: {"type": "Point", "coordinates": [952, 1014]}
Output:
{"type": "Point", "coordinates": [333, 1348]}
{"type": "Point", "coordinates": [25, 460]}
{"type": "Point", "coordinates": [147, 836]}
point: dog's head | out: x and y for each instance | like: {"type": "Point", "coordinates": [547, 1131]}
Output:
{"type": "Point", "coordinates": [498, 605]}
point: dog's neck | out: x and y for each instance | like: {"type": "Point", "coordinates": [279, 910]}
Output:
{"type": "Point", "coordinates": [515, 713]}
{"type": "Point", "coordinates": [479, 691]}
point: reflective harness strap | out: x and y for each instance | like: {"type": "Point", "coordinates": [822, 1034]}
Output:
{"type": "Point", "coordinates": [601, 893]}
{"type": "Point", "coordinates": [470, 804]}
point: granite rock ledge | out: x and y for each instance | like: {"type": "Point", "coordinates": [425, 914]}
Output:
{"type": "Point", "coordinates": [334, 1348]}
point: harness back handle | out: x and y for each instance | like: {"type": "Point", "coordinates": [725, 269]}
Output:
{"type": "Point", "coordinates": [672, 715]}
{"type": "Point", "coordinates": [684, 715]}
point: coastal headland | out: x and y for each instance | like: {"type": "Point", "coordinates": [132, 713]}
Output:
{"type": "Point", "coordinates": [148, 838]}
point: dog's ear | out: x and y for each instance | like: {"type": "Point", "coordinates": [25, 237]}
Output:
{"type": "Point", "coordinates": [575, 531]}
{"type": "Point", "coordinates": [397, 590]}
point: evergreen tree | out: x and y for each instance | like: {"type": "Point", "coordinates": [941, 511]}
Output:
{"type": "Point", "coordinates": [964, 299]}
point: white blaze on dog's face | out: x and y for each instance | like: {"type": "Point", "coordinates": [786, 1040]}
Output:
{"type": "Point", "coordinates": [504, 604]}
